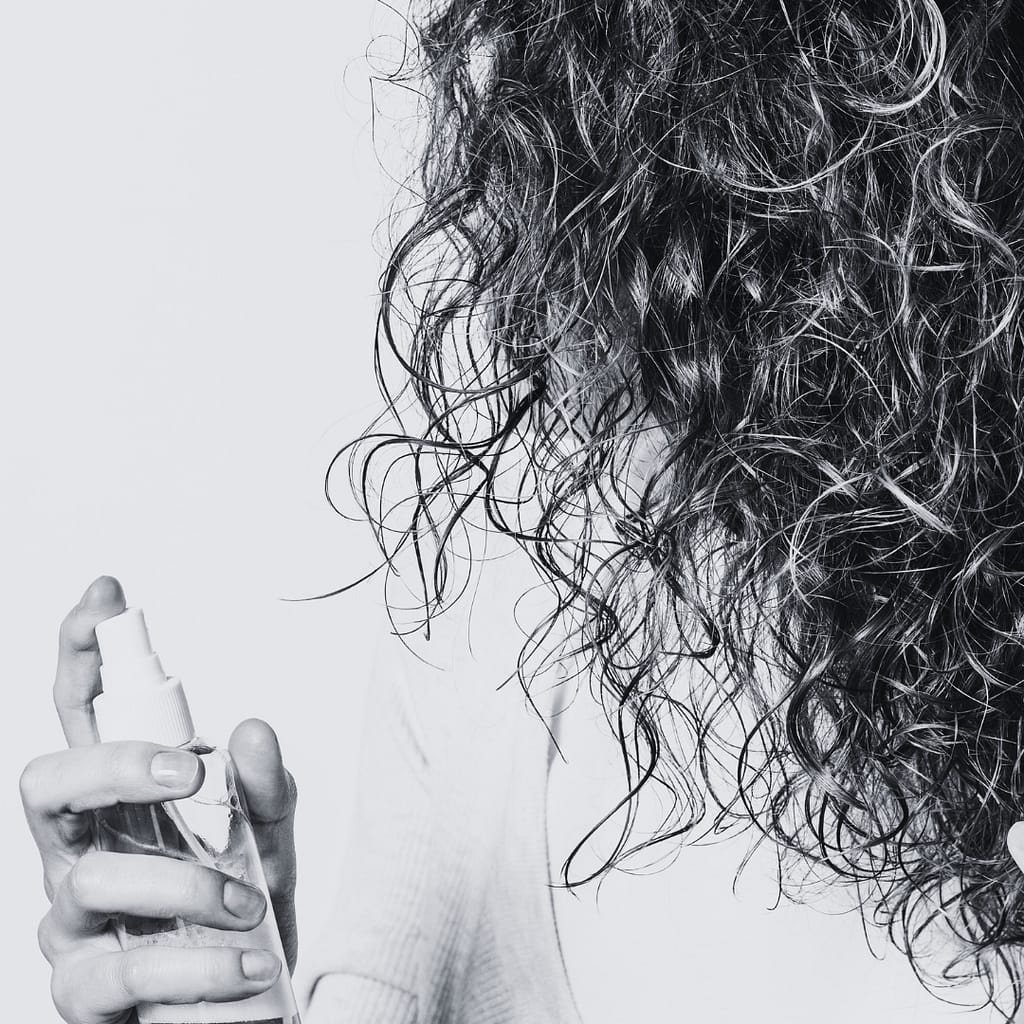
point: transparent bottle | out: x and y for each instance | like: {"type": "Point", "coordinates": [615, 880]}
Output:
{"type": "Point", "coordinates": [211, 827]}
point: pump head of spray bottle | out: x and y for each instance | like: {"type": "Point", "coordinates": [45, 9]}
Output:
{"type": "Point", "coordinates": [139, 701]}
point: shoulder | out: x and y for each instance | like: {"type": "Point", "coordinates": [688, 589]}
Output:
{"type": "Point", "coordinates": [462, 670]}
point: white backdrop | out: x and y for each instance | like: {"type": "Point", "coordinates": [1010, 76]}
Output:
{"type": "Point", "coordinates": [189, 192]}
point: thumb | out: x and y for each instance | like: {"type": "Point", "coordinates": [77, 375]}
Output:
{"type": "Point", "coordinates": [269, 789]}
{"type": "Point", "coordinates": [270, 797]}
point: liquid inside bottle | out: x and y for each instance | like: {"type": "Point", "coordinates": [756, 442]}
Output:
{"type": "Point", "coordinates": [211, 828]}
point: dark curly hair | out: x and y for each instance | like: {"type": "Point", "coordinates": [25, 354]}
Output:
{"type": "Point", "coordinates": [715, 308]}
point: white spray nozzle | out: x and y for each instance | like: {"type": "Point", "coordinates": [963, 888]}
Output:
{"type": "Point", "coordinates": [124, 636]}
{"type": "Point", "coordinates": [138, 700]}
{"type": "Point", "coordinates": [127, 653]}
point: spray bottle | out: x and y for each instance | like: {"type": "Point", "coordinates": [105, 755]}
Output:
{"type": "Point", "coordinates": [211, 827]}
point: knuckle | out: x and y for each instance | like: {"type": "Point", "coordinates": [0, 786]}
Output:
{"type": "Point", "coordinates": [213, 970]}
{"type": "Point", "coordinates": [63, 991]}
{"type": "Point", "coordinates": [199, 887]}
{"type": "Point", "coordinates": [44, 937]}
{"type": "Point", "coordinates": [132, 973]}
{"type": "Point", "coordinates": [279, 868]}
{"type": "Point", "coordinates": [85, 878]}
{"type": "Point", "coordinates": [67, 626]}
{"type": "Point", "coordinates": [127, 764]}
{"type": "Point", "coordinates": [31, 782]}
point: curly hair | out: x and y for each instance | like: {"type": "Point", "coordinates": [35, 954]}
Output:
{"type": "Point", "coordinates": [715, 308]}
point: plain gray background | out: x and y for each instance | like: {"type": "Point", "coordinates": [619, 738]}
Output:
{"type": "Point", "coordinates": [188, 201]}
{"type": "Point", "coordinates": [190, 196]}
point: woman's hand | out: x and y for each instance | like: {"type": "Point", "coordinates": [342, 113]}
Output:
{"type": "Point", "coordinates": [94, 981]}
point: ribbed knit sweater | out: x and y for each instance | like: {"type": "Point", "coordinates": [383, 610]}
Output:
{"type": "Point", "coordinates": [444, 912]}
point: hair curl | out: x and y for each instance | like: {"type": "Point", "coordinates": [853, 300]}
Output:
{"type": "Point", "coordinates": [715, 307]}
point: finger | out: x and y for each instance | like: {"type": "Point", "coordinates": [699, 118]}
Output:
{"type": "Point", "coordinates": [88, 990]}
{"type": "Point", "coordinates": [77, 680]}
{"type": "Point", "coordinates": [103, 884]}
{"type": "Point", "coordinates": [269, 791]}
{"type": "Point", "coordinates": [57, 789]}
{"type": "Point", "coordinates": [270, 796]}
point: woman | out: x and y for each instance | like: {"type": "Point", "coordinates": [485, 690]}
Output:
{"type": "Point", "coordinates": [714, 308]}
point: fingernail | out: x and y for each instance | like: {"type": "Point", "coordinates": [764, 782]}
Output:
{"type": "Point", "coordinates": [242, 900]}
{"type": "Point", "coordinates": [174, 768]}
{"type": "Point", "coordinates": [259, 965]}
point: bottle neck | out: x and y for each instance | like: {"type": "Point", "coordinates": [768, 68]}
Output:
{"type": "Point", "coordinates": [157, 713]}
